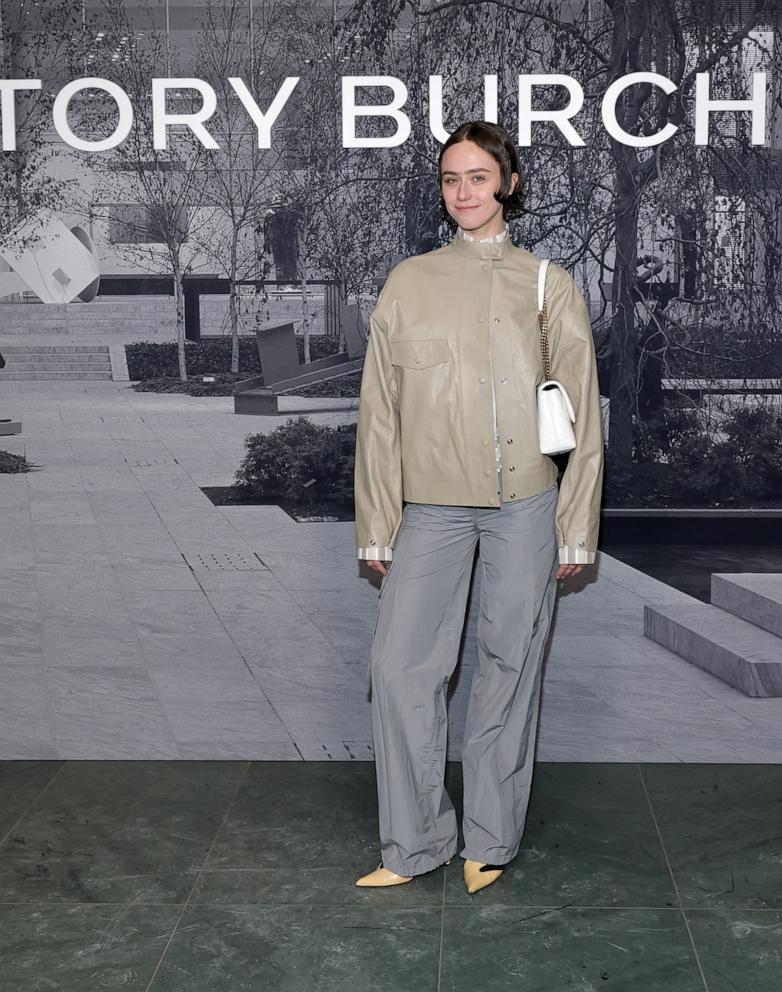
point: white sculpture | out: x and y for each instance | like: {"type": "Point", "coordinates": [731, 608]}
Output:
{"type": "Point", "coordinates": [57, 264]}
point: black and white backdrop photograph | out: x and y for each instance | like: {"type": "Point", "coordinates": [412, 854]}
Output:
{"type": "Point", "coordinates": [296, 606]}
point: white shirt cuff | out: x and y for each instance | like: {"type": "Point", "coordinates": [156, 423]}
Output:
{"type": "Point", "coordinates": [575, 556]}
{"type": "Point", "coordinates": [375, 554]}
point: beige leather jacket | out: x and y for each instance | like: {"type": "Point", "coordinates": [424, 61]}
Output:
{"type": "Point", "coordinates": [452, 364]}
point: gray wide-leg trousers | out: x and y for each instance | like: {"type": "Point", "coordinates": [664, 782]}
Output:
{"type": "Point", "coordinates": [414, 651]}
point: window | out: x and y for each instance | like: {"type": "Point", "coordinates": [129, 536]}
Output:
{"type": "Point", "coordinates": [139, 223]}
{"type": "Point", "coordinates": [729, 235]}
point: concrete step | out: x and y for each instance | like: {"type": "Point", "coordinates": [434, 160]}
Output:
{"type": "Point", "coordinates": [34, 311]}
{"type": "Point", "coordinates": [50, 365]}
{"type": "Point", "coordinates": [738, 652]}
{"type": "Point", "coordinates": [18, 334]}
{"type": "Point", "coordinates": [137, 322]}
{"type": "Point", "coordinates": [55, 349]}
{"type": "Point", "coordinates": [30, 320]}
{"type": "Point", "coordinates": [56, 356]}
{"type": "Point", "coordinates": [754, 596]}
{"type": "Point", "coordinates": [129, 314]}
{"type": "Point", "coordinates": [18, 376]}
{"type": "Point", "coordinates": [57, 362]}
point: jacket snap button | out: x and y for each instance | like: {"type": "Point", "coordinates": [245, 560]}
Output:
{"type": "Point", "coordinates": [418, 360]}
{"type": "Point", "coordinates": [492, 499]}
{"type": "Point", "coordinates": [484, 267]}
{"type": "Point", "coordinates": [373, 541]}
{"type": "Point", "coordinates": [484, 442]}
{"type": "Point", "coordinates": [497, 320]}
{"type": "Point", "coordinates": [482, 379]}
{"type": "Point", "coordinates": [513, 495]}
{"type": "Point", "coordinates": [503, 379]}
{"type": "Point", "coordinates": [487, 471]}
{"type": "Point", "coordinates": [512, 468]}
{"type": "Point", "coordinates": [510, 440]}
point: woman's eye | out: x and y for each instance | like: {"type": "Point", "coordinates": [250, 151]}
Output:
{"type": "Point", "coordinates": [449, 181]}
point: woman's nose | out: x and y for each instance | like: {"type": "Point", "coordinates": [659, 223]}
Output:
{"type": "Point", "coordinates": [463, 193]}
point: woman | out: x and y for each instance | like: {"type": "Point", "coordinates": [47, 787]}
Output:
{"type": "Point", "coordinates": [447, 456]}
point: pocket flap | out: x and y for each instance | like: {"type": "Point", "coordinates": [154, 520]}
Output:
{"type": "Point", "coordinates": [419, 354]}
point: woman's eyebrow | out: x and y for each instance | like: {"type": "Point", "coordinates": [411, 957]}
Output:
{"type": "Point", "coordinates": [449, 172]}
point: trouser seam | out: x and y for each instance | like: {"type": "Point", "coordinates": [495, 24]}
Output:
{"type": "Point", "coordinates": [446, 647]}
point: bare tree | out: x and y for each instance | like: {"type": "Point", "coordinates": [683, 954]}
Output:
{"type": "Point", "coordinates": [336, 198]}
{"type": "Point", "coordinates": [241, 180]}
{"type": "Point", "coordinates": [46, 42]}
{"type": "Point", "coordinates": [156, 191]}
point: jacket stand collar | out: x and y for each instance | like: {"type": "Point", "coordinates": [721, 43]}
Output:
{"type": "Point", "coordinates": [480, 249]}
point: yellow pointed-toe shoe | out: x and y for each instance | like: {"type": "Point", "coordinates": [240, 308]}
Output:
{"type": "Point", "coordinates": [384, 876]}
{"type": "Point", "coordinates": [476, 879]}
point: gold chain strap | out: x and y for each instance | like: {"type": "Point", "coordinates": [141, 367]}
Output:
{"type": "Point", "coordinates": [543, 321]}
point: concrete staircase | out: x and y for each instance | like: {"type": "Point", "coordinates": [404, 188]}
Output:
{"type": "Point", "coordinates": [60, 361]}
{"type": "Point", "coordinates": [737, 637]}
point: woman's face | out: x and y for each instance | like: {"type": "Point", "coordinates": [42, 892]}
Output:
{"type": "Point", "coordinates": [469, 178]}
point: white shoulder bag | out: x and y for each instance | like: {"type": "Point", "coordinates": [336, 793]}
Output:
{"type": "Point", "coordinates": [555, 411]}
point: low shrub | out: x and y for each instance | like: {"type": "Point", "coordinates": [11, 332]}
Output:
{"type": "Point", "coordinates": [303, 463]}
{"type": "Point", "coordinates": [195, 386]}
{"type": "Point", "coordinates": [345, 385]}
{"type": "Point", "coordinates": [158, 359]}
{"type": "Point", "coordinates": [681, 464]}
{"type": "Point", "coordinates": [321, 346]}
{"type": "Point", "coordinates": [149, 360]}
{"type": "Point", "coordinates": [11, 463]}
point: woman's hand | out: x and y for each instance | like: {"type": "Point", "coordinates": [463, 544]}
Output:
{"type": "Point", "coordinates": [565, 570]}
{"type": "Point", "coordinates": [378, 566]}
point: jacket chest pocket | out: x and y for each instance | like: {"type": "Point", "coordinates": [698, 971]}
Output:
{"type": "Point", "coordinates": [419, 354]}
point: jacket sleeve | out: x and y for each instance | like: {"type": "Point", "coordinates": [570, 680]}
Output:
{"type": "Point", "coordinates": [573, 363]}
{"type": "Point", "coordinates": [378, 469]}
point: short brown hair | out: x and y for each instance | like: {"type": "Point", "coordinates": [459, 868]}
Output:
{"type": "Point", "coordinates": [498, 143]}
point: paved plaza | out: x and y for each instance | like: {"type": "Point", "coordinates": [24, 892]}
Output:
{"type": "Point", "coordinates": [140, 621]}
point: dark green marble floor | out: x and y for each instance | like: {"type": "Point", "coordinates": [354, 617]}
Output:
{"type": "Point", "coordinates": [218, 876]}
